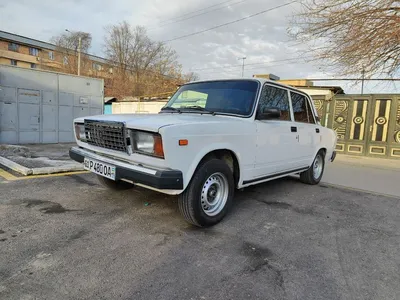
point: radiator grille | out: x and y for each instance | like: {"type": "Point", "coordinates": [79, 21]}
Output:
{"type": "Point", "coordinates": [109, 135]}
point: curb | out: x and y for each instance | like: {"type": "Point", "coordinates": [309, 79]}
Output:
{"type": "Point", "coordinates": [38, 171]}
{"type": "Point", "coordinates": [15, 167]}
{"type": "Point", "coordinates": [52, 170]}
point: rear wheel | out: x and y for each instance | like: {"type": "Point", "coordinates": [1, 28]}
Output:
{"type": "Point", "coordinates": [314, 174]}
{"type": "Point", "coordinates": [209, 195]}
{"type": "Point", "coordinates": [118, 185]}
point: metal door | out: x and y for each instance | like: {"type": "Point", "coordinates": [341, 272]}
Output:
{"type": "Point", "coordinates": [350, 123]}
{"type": "Point", "coordinates": [65, 117]}
{"type": "Point", "coordinates": [29, 116]}
{"type": "Point", "coordinates": [394, 137]}
{"type": "Point", "coordinates": [49, 118]}
{"type": "Point", "coordinates": [8, 116]}
{"type": "Point", "coordinates": [367, 125]}
{"type": "Point", "coordinates": [321, 105]}
{"type": "Point", "coordinates": [382, 127]}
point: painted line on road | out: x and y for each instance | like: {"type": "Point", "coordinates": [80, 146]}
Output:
{"type": "Point", "coordinates": [8, 176]}
{"type": "Point", "coordinates": [359, 190]}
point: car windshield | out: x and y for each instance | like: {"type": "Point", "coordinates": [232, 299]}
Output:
{"type": "Point", "coordinates": [228, 97]}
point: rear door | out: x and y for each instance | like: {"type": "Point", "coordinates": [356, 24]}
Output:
{"type": "Point", "coordinates": [309, 132]}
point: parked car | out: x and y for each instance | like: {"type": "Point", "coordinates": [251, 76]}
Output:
{"type": "Point", "coordinates": [211, 138]}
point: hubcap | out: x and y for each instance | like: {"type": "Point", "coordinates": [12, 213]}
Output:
{"type": "Point", "coordinates": [317, 166]}
{"type": "Point", "coordinates": [214, 194]}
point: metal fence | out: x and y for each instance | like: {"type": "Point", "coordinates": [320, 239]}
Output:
{"type": "Point", "coordinates": [366, 125]}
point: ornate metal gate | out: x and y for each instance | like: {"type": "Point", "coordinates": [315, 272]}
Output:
{"type": "Point", "coordinates": [365, 125]}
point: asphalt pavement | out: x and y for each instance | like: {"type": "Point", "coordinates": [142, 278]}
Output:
{"type": "Point", "coordinates": [69, 238]}
{"type": "Point", "coordinates": [380, 176]}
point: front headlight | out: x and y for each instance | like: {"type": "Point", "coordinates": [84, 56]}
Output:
{"type": "Point", "coordinates": [80, 132]}
{"type": "Point", "coordinates": [147, 143]}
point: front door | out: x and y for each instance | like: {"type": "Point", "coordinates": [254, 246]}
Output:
{"type": "Point", "coordinates": [276, 139]}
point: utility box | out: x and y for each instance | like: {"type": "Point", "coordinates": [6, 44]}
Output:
{"type": "Point", "coordinates": [39, 106]}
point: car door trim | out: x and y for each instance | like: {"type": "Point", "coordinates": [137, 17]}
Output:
{"type": "Point", "coordinates": [274, 175]}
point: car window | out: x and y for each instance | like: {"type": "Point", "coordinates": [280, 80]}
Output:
{"type": "Point", "coordinates": [190, 97]}
{"type": "Point", "coordinates": [274, 97]}
{"type": "Point", "coordinates": [301, 108]}
{"type": "Point", "coordinates": [228, 97]}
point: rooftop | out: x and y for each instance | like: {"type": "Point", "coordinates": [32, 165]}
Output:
{"type": "Point", "coordinates": [8, 36]}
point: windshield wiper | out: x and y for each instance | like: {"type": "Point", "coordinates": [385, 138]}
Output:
{"type": "Point", "coordinates": [171, 109]}
{"type": "Point", "coordinates": [197, 107]}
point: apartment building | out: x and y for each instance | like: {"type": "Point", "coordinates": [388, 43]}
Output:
{"type": "Point", "coordinates": [26, 52]}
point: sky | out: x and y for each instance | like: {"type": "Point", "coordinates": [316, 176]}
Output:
{"type": "Point", "coordinates": [217, 53]}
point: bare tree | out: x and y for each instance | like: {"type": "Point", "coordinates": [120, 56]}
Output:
{"type": "Point", "coordinates": [191, 76]}
{"type": "Point", "coordinates": [351, 36]}
{"type": "Point", "coordinates": [137, 57]}
{"type": "Point", "coordinates": [67, 46]}
{"type": "Point", "coordinates": [117, 46]}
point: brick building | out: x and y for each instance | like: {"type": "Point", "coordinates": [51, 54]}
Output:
{"type": "Point", "coordinates": [25, 52]}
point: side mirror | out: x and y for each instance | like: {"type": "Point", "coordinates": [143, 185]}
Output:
{"type": "Point", "coordinates": [270, 114]}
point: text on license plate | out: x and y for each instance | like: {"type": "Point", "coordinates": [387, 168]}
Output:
{"type": "Point", "coordinates": [100, 168]}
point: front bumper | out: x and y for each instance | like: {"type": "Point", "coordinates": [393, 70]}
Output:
{"type": "Point", "coordinates": [333, 156]}
{"type": "Point", "coordinates": [158, 179]}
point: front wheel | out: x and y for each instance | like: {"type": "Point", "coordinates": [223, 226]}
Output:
{"type": "Point", "coordinates": [314, 174]}
{"type": "Point", "coordinates": [209, 195]}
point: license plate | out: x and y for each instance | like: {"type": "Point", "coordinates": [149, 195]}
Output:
{"type": "Point", "coordinates": [99, 168]}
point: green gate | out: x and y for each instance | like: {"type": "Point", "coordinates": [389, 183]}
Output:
{"type": "Point", "coordinates": [367, 125]}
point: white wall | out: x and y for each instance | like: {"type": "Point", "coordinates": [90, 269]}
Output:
{"type": "Point", "coordinates": [137, 107]}
{"type": "Point", "coordinates": [317, 92]}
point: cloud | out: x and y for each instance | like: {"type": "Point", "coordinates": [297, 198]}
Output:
{"type": "Point", "coordinates": [213, 54]}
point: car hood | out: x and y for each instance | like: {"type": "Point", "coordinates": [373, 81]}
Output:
{"type": "Point", "coordinates": [153, 122]}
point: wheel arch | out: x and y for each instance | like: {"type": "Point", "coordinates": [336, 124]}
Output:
{"type": "Point", "coordinates": [223, 153]}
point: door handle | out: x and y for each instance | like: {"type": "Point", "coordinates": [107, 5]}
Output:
{"type": "Point", "coordinates": [317, 130]}
{"type": "Point", "coordinates": [293, 129]}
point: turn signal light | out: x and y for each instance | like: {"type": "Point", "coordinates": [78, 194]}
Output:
{"type": "Point", "coordinates": [158, 146]}
{"type": "Point", "coordinates": [183, 142]}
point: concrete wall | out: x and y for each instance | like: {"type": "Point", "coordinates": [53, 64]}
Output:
{"type": "Point", "coordinates": [137, 107]}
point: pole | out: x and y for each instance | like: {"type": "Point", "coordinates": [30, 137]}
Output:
{"type": "Point", "coordinates": [242, 58]}
{"type": "Point", "coordinates": [79, 55]}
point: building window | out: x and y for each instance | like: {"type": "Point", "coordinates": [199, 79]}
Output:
{"type": "Point", "coordinates": [96, 66]}
{"type": "Point", "coordinates": [65, 60]}
{"type": "Point", "coordinates": [13, 62]}
{"type": "Point", "coordinates": [34, 51]}
{"type": "Point", "coordinates": [33, 66]}
{"type": "Point", "coordinates": [110, 70]}
{"type": "Point", "coordinates": [13, 47]}
{"type": "Point", "coordinates": [51, 55]}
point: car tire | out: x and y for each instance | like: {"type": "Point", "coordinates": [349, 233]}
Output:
{"type": "Point", "coordinates": [314, 174]}
{"type": "Point", "coordinates": [118, 185]}
{"type": "Point", "coordinates": [209, 195]}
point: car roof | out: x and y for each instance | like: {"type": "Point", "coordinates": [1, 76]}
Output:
{"type": "Point", "coordinates": [260, 80]}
